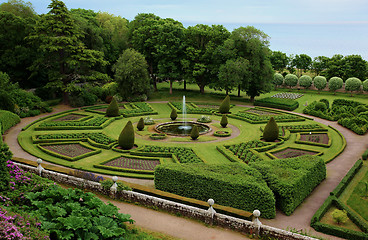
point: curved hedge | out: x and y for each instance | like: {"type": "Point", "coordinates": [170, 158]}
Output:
{"type": "Point", "coordinates": [8, 120]}
{"type": "Point", "coordinates": [235, 185]}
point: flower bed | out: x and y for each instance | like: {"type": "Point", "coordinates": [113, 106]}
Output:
{"type": "Point", "coordinates": [221, 133]}
{"type": "Point", "coordinates": [319, 139]}
{"type": "Point", "coordinates": [290, 152]}
{"type": "Point", "coordinates": [70, 117]}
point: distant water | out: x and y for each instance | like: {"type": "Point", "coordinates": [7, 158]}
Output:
{"type": "Point", "coordinates": [315, 39]}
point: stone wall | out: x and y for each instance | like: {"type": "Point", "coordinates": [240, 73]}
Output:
{"type": "Point", "coordinates": [206, 216]}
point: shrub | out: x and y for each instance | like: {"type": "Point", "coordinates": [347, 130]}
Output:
{"type": "Point", "coordinates": [204, 119]}
{"type": "Point", "coordinates": [335, 83]}
{"type": "Point", "coordinates": [353, 84]}
{"type": "Point", "coordinates": [194, 134]}
{"type": "Point", "coordinates": [320, 106]}
{"type": "Point", "coordinates": [326, 102]}
{"type": "Point", "coordinates": [140, 125]}
{"type": "Point", "coordinates": [148, 121]}
{"type": "Point", "coordinates": [113, 109]}
{"type": "Point", "coordinates": [5, 155]}
{"type": "Point", "coordinates": [8, 120]}
{"type": "Point", "coordinates": [126, 138]}
{"type": "Point", "coordinates": [6, 101]}
{"type": "Point", "coordinates": [291, 80]}
{"type": "Point", "coordinates": [305, 81]}
{"type": "Point", "coordinates": [235, 185]}
{"type": "Point", "coordinates": [365, 85]}
{"type": "Point", "coordinates": [319, 82]}
{"type": "Point", "coordinates": [158, 136]}
{"type": "Point", "coordinates": [339, 216]}
{"type": "Point", "coordinates": [278, 79]}
{"type": "Point", "coordinates": [280, 103]}
{"type": "Point", "coordinates": [173, 114]}
{"type": "Point", "coordinates": [271, 131]}
{"type": "Point", "coordinates": [292, 179]}
{"type": "Point", "coordinates": [224, 121]}
{"type": "Point", "coordinates": [225, 105]}
{"type": "Point", "coordinates": [365, 155]}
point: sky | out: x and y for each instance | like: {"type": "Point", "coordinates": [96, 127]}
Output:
{"type": "Point", "coordinates": [312, 27]}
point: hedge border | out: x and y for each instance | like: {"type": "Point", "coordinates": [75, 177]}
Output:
{"type": "Point", "coordinates": [314, 143]}
{"type": "Point", "coordinates": [103, 125]}
{"type": "Point", "coordinates": [342, 147]}
{"type": "Point", "coordinates": [93, 152]}
{"type": "Point", "coordinates": [158, 136]}
{"type": "Point", "coordinates": [269, 153]}
{"type": "Point", "coordinates": [216, 134]}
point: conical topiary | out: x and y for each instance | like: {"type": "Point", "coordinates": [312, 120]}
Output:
{"type": "Point", "coordinates": [113, 109]}
{"type": "Point", "coordinates": [271, 131]}
{"type": "Point", "coordinates": [140, 124]}
{"type": "Point", "coordinates": [126, 138]}
{"type": "Point", "coordinates": [194, 134]}
{"type": "Point", "coordinates": [173, 114]}
{"type": "Point", "coordinates": [224, 121]}
{"type": "Point", "coordinates": [225, 105]}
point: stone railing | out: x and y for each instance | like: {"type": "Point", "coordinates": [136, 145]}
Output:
{"type": "Point", "coordinates": [208, 216]}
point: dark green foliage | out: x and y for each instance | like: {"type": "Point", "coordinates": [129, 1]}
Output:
{"type": "Point", "coordinates": [320, 106]}
{"type": "Point", "coordinates": [194, 134]}
{"type": "Point", "coordinates": [244, 150]}
{"type": "Point", "coordinates": [264, 118]}
{"type": "Point", "coordinates": [365, 155]}
{"type": "Point", "coordinates": [8, 120]}
{"type": "Point", "coordinates": [126, 138]}
{"type": "Point", "coordinates": [280, 103]}
{"type": "Point", "coordinates": [6, 101]}
{"type": "Point", "coordinates": [235, 185]}
{"type": "Point", "coordinates": [183, 154]}
{"type": "Point", "coordinates": [140, 125]}
{"type": "Point", "coordinates": [5, 155]}
{"type": "Point", "coordinates": [173, 114]}
{"type": "Point", "coordinates": [326, 102]}
{"type": "Point", "coordinates": [78, 215]}
{"type": "Point", "coordinates": [224, 121]}
{"type": "Point", "coordinates": [271, 131]}
{"type": "Point", "coordinates": [225, 105]}
{"type": "Point", "coordinates": [292, 180]}
{"type": "Point", "coordinates": [113, 109]}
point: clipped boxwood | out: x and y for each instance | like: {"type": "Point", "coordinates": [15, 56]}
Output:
{"type": "Point", "coordinates": [280, 103]}
{"type": "Point", "coordinates": [158, 136]}
{"type": "Point", "coordinates": [235, 185]}
{"type": "Point", "coordinates": [8, 120]}
{"type": "Point", "coordinates": [221, 133]}
{"type": "Point", "coordinates": [292, 179]}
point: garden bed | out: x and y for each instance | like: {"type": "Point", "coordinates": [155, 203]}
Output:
{"type": "Point", "coordinates": [133, 163]}
{"type": "Point", "coordinates": [289, 152]}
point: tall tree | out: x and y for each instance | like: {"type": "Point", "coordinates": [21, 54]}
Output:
{"type": "Point", "coordinates": [63, 54]}
{"type": "Point", "coordinates": [302, 62]}
{"type": "Point", "coordinates": [320, 64]}
{"type": "Point", "coordinates": [201, 43]}
{"type": "Point", "coordinates": [355, 66]}
{"type": "Point", "coordinates": [19, 8]}
{"type": "Point", "coordinates": [279, 60]}
{"type": "Point", "coordinates": [335, 66]}
{"type": "Point", "coordinates": [253, 45]}
{"type": "Point", "coordinates": [131, 74]}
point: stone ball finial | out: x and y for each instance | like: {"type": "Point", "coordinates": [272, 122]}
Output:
{"type": "Point", "coordinates": [256, 213]}
{"type": "Point", "coordinates": [211, 202]}
{"type": "Point", "coordinates": [39, 160]}
{"type": "Point", "coordinates": [115, 178]}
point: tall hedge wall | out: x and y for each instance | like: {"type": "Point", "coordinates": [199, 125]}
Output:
{"type": "Point", "coordinates": [235, 185]}
{"type": "Point", "coordinates": [292, 179]}
{"type": "Point", "coordinates": [8, 120]}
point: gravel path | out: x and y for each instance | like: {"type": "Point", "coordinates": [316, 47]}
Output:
{"type": "Point", "coordinates": [188, 229]}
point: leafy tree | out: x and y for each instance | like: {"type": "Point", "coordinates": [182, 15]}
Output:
{"type": "Point", "coordinates": [201, 43]}
{"type": "Point", "coordinates": [131, 74]}
{"type": "Point", "coordinates": [355, 66]}
{"type": "Point", "coordinates": [126, 137]}
{"type": "Point", "coordinates": [224, 121]}
{"type": "Point", "coordinates": [113, 109]}
{"type": "Point", "coordinates": [278, 79]}
{"type": "Point", "coordinates": [302, 62]}
{"type": "Point", "coordinates": [335, 67]}
{"type": "Point", "coordinates": [62, 53]}
{"type": "Point", "coordinates": [291, 64]}
{"type": "Point", "coordinates": [305, 81]}
{"type": "Point", "coordinates": [335, 83]}
{"type": "Point", "coordinates": [140, 124]}
{"type": "Point", "coordinates": [353, 84]}
{"type": "Point", "coordinates": [319, 82]}
{"type": "Point", "coordinates": [232, 74]}
{"type": "Point", "coordinates": [19, 8]}
{"type": "Point", "coordinates": [173, 114]}
{"type": "Point", "coordinates": [253, 45]}
{"type": "Point", "coordinates": [194, 134]}
{"type": "Point", "coordinates": [279, 61]}
{"type": "Point", "coordinates": [339, 216]}
{"type": "Point", "coordinates": [271, 131]}
{"type": "Point", "coordinates": [291, 80]}
{"type": "Point", "coordinates": [365, 85]}
{"type": "Point", "coordinates": [320, 64]}
{"type": "Point", "coordinates": [225, 105]}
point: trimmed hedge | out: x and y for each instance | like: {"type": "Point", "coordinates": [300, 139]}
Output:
{"type": "Point", "coordinates": [280, 103]}
{"type": "Point", "coordinates": [234, 184]}
{"type": "Point", "coordinates": [347, 179]}
{"type": "Point", "coordinates": [8, 120]}
{"type": "Point", "coordinates": [365, 155]}
{"type": "Point", "coordinates": [183, 154]}
{"type": "Point", "coordinates": [292, 179]}
{"type": "Point", "coordinates": [55, 154]}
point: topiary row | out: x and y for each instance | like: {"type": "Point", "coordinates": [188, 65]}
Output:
{"type": "Point", "coordinates": [235, 185]}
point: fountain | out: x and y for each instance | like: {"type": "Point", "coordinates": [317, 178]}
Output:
{"type": "Point", "coordinates": [182, 128]}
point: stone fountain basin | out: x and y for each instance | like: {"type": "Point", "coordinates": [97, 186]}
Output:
{"type": "Point", "coordinates": [181, 128]}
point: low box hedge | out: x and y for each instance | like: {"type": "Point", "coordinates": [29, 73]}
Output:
{"type": "Point", "coordinates": [235, 185]}
{"type": "Point", "coordinates": [347, 179]}
{"type": "Point", "coordinates": [47, 117]}
{"type": "Point", "coordinates": [298, 137]}
{"type": "Point", "coordinates": [292, 179]}
{"type": "Point", "coordinates": [285, 104]}
{"type": "Point", "coordinates": [8, 120]}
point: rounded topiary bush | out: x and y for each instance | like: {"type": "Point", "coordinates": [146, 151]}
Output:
{"type": "Point", "coordinates": [173, 114]}
{"type": "Point", "coordinates": [140, 124]}
{"type": "Point", "coordinates": [278, 79]}
{"type": "Point", "coordinates": [224, 121]}
{"type": "Point", "coordinates": [353, 84]}
{"type": "Point", "coordinates": [194, 134]}
{"type": "Point", "coordinates": [305, 81]}
{"type": "Point", "coordinates": [291, 80]}
{"type": "Point", "coordinates": [320, 106]}
{"type": "Point", "coordinates": [365, 85]}
{"type": "Point", "coordinates": [271, 131]}
{"type": "Point", "coordinates": [126, 138]}
{"type": "Point", "coordinates": [113, 109]}
{"type": "Point", "coordinates": [225, 105]}
{"type": "Point", "coordinates": [319, 82]}
{"type": "Point", "coordinates": [335, 83]}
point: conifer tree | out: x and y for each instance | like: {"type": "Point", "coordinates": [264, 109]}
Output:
{"type": "Point", "coordinates": [126, 138]}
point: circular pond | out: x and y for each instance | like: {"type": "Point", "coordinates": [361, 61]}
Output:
{"type": "Point", "coordinates": [181, 128]}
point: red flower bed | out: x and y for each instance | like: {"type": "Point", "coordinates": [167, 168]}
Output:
{"type": "Point", "coordinates": [315, 137]}
{"type": "Point", "coordinates": [292, 152]}
{"type": "Point", "coordinates": [69, 150]}
{"type": "Point", "coordinates": [70, 117]}
{"type": "Point", "coordinates": [132, 163]}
